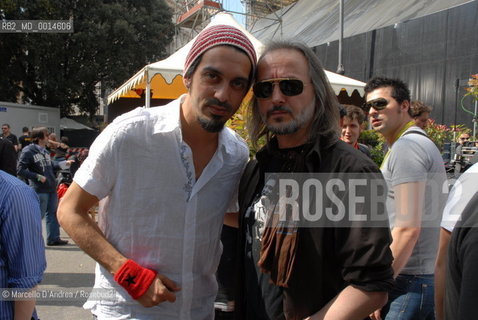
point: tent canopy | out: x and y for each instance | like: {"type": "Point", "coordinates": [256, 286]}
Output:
{"type": "Point", "coordinates": [165, 77]}
{"type": "Point", "coordinates": [317, 22]}
{"type": "Point", "coordinates": [70, 124]}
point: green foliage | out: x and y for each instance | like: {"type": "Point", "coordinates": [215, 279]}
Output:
{"type": "Point", "coordinates": [440, 133]}
{"type": "Point", "coordinates": [370, 138]}
{"type": "Point", "coordinates": [376, 143]}
{"type": "Point", "coordinates": [378, 153]}
{"type": "Point", "coordinates": [111, 41]}
{"type": "Point", "coordinates": [472, 90]}
{"type": "Point", "coordinates": [238, 124]}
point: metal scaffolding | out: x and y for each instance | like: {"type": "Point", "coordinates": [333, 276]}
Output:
{"type": "Point", "coordinates": [258, 9]}
{"type": "Point", "coordinates": [191, 16]}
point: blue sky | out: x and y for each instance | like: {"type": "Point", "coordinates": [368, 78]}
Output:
{"type": "Point", "coordinates": [235, 5]}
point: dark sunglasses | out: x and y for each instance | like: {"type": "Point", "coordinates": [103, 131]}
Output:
{"type": "Point", "coordinates": [377, 104]}
{"type": "Point", "coordinates": [464, 138]}
{"type": "Point", "coordinates": [289, 87]}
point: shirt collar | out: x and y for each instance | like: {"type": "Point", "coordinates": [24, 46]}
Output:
{"type": "Point", "coordinates": [228, 140]}
{"type": "Point", "coordinates": [173, 122]}
{"type": "Point", "coordinates": [314, 154]}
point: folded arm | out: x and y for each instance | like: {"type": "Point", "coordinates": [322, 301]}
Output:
{"type": "Point", "coordinates": [351, 303]}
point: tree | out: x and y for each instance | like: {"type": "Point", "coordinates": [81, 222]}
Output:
{"type": "Point", "coordinates": [112, 39]}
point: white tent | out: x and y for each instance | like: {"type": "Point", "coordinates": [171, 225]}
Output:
{"type": "Point", "coordinates": [170, 86]}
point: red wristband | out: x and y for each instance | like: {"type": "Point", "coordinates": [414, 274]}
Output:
{"type": "Point", "coordinates": [134, 278]}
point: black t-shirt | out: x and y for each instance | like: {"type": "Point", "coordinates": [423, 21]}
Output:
{"type": "Point", "coordinates": [264, 298]}
{"type": "Point", "coordinates": [227, 265]}
{"type": "Point", "coordinates": [24, 141]}
{"type": "Point", "coordinates": [12, 138]}
{"type": "Point", "coordinates": [8, 157]}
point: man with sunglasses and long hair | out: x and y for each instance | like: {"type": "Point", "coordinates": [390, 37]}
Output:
{"type": "Point", "coordinates": [306, 271]}
{"type": "Point", "coordinates": [415, 175]}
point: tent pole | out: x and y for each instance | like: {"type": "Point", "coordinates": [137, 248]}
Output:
{"type": "Point", "coordinates": [148, 92]}
{"type": "Point", "coordinates": [475, 118]}
{"type": "Point", "coordinates": [340, 67]}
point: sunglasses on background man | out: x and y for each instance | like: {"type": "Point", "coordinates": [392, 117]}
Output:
{"type": "Point", "coordinates": [377, 104]}
{"type": "Point", "coordinates": [289, 87]}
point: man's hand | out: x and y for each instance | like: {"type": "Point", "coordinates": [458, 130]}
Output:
{"type": "Point", "coordinates": [161, 289]}
{"type": "Point", "coordinates": [376, 315]}
{"type": "Point", "coordinates": [231, 219]}
{"type": "Point", "coordinates": [52, 143]}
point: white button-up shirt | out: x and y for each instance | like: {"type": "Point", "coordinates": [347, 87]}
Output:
{"type": "Point", "coordinates": [156, 213]}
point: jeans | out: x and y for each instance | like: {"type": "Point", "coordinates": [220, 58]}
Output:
{"type": "Point", "coordinates": [411, 299]}
{"type": "Point", "coordinates": [48, 206]}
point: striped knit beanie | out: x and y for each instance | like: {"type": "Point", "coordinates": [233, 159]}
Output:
{"type": "Point", "coordinates": [216, 36]}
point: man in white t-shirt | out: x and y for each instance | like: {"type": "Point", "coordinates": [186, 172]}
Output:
{"type": "Point", "coordinates": [460, 195]}
{"type": "Point", "coordinates": [157, 243]}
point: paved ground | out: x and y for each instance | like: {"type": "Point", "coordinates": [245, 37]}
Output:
{"type": "Point", "coordinates": [69, 271]}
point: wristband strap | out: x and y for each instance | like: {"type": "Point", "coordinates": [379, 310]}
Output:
{"type": "Point", "coordinates": [134, 278]}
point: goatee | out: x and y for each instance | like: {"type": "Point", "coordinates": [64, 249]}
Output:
{"type": "Point", "coordinates": [215, 124]}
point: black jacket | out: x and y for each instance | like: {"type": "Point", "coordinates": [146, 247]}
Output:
{"type": "Point", "coordinates": [8, 157]}
{"type": "Point", "coordinates": [327, 259]}
{"type": "Point", "coordinates": [461, 278]}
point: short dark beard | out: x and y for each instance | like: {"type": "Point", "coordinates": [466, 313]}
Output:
{"type": "Point", "coordinates": [211, 125]}
{"type": "Point", "coordinates": [216, 123]}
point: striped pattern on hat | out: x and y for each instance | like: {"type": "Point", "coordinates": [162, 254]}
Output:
{"type": "Point", "coordinates": [220, 35]}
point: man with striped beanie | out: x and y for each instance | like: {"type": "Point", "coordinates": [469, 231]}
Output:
{"type": "Point", "coordinates": [167, 176]}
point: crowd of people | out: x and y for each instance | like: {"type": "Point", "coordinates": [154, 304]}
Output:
{"type": "Point", "coordinates": [389, 244]}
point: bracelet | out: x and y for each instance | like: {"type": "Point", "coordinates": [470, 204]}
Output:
{"type": "Point", "coordinates": [134, 278]}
